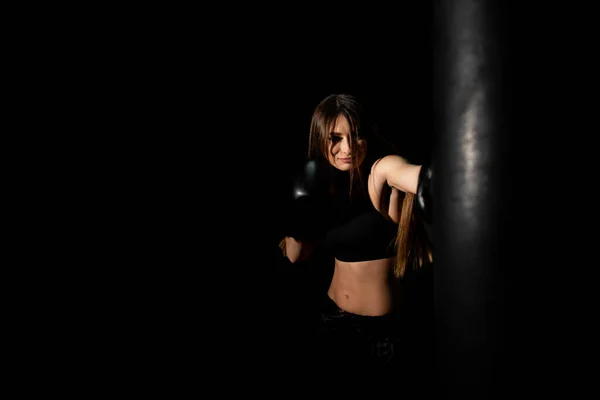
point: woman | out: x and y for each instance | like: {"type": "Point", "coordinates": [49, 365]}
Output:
{"type": "Point", "coordinates": [354, 200]}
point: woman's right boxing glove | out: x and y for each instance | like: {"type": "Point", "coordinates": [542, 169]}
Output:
{"type": "Point", "coordinates": [311, 205]}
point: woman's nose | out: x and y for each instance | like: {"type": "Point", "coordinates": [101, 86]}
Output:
{"type": "Point", "coordinates": [345, 147]}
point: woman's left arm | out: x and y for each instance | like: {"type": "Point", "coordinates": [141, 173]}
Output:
{"type": "Point", "coordinates": [389, 177]}
{"type": "Point", "coordinates": [397, 173]}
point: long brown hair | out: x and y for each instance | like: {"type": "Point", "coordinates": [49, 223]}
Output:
{"type": "Point", "coordinates": [411, 243]}
{"type": "Point", "coordinates": [413, 247]}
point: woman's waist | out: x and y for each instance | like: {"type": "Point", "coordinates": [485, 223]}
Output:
{"type": "Point", "coordinates": [366, 287]}
{"type": "Point", "coordinates": [370, 301]}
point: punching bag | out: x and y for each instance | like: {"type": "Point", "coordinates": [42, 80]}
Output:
{"type": "Point", "coordinates": [470, 127]}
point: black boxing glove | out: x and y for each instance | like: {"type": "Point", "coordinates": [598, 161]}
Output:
{"type": "Point", "coordinates": [424, 195]}
{"type": "Point", "coordinates": [309, 215]}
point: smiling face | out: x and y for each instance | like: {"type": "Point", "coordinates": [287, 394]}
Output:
{"type": "Point", "coordinates": [336, 132]}
{"type": "Point", "coordinates": [345, 150]}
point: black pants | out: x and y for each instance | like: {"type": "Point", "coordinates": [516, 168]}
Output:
{"type": "Point", "coordinates": [348, 340]}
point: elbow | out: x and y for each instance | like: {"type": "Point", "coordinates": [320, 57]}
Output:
{"type": "Point", "coordinates": [293, 259]}
{"type": "Point", "coordinates": [292, 250]}
{"type": "Point", "coordinates": [297, 251]}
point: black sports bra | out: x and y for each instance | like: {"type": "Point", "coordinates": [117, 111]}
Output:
{"type": "Point", "coordinates": [361, 234]}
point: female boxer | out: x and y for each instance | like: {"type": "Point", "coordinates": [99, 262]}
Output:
{"type": "Point", "coordinates": [355, 200]}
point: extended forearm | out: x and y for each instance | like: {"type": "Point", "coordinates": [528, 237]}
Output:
{"type": "Point", "coordinates": [400, 174]}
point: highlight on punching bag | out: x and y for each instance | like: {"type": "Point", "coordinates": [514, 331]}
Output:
{"type": "Point", "coordinates": [468, 138]}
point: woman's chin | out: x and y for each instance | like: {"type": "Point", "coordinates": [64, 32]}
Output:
{"type": "Point", "coordinates": [343, 166]}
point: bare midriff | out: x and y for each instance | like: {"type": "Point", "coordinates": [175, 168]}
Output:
{"type": "Point", "coordinates": [365, 287]}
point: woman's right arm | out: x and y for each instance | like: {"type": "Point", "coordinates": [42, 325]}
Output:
{"type": "Point", "coordinates": [307, 216]}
